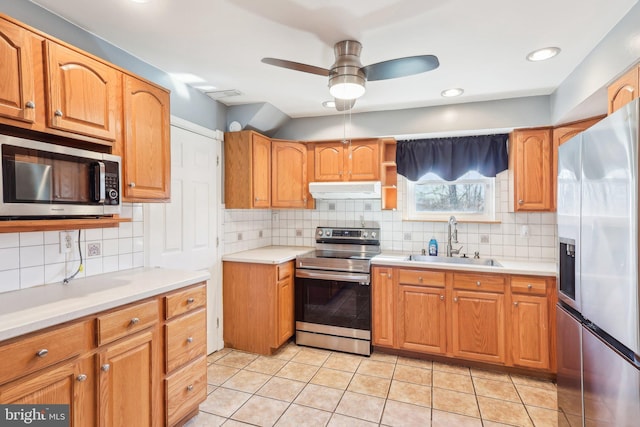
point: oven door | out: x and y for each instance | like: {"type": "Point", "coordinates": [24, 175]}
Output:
{"type": "Point", "coordinates": [334, 299]}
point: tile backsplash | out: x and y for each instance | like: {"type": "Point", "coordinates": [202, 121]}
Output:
{"type": "Point", "coordinates": [34, 258]}
{"type": "Point", "coordinates": [525, 236]}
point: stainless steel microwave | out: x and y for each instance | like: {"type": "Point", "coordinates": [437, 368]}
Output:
{"type": "Point", "coordinates": [38, 179]}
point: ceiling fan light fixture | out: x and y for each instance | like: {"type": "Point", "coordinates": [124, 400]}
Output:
{"type": "Point", "coordinates": [347, 86]}
{"type": "Point", "coordinates": [543, 54]}
{"type": "Point", "coordinates": [329, 104]}
{"type": "Point", "coordinates": [449, 93]}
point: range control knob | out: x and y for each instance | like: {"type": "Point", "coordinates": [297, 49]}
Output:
{"type": "Point", "coordinates": [373, 234]}
{"type": "Point", "coordinates": [365, 235]}
{"type": "Point", "coordinates": [320, 232]}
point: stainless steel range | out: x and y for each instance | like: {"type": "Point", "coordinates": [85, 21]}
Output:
{"type": "Point", "coordinates": [333, 290]}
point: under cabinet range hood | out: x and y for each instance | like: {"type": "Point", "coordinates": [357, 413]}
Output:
{"type": "Point", "coordinates": [345, 190]}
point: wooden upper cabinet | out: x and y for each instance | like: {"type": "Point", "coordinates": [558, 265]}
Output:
{"type": "Point", "coordinates": [624, 90]}
{"type": "Point", "coordinates": [247, 170]}
{"type": "Point", "coordinates": [352, 161]}
{"type": "Point", "coordinates": [146, 149]}
{"type": "Point", "coordinates": [531, 163]}
{"type": "Point", "coordinates": [289, 187]}
{"type": "Point", "coordinates": [17, 93]}
{"type": "Point", "coordinates": [83, 93]}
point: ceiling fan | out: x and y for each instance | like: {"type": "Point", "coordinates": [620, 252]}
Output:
{"type": "Point", "coordinates": [347, 75]}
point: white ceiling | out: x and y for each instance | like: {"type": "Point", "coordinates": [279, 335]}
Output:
{"type": "Point", "coordinates": [481, 45]}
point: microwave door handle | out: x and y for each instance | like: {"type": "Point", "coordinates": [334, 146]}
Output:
{"type": "Point", "coordinates": [99, 191]}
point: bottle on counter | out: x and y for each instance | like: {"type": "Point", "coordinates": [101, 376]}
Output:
{"type": "Point", "coordinates": [433, 247]}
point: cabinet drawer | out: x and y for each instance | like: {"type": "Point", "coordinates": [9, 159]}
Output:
{"type": "Point", "coordinates": [185, 389]}
{"type": "Point", "coordinates": [422, 278]}
{"type": "Point", "coordinates": [285, 270]}
{"type": "Point", "coordinates": [478, 282]}
{"type": "Point", "coordinates": [44, 349]}
{"type": "Point", "coordinates": [186, 338]}
{"type": "Point", "coordinates": [125, 321]}
{"type": "Point", "coordinates": [185, 300]}
{"type": "Point", "coordinates": [528, 285]}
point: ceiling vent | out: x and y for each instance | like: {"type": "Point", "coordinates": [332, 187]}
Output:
{"type": "Point", "coordinates": [219, 94]}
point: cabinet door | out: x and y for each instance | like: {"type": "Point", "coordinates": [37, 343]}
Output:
{"type": "Point", "coordinates": [530, 331]}
{"type": "Point", "coordinates": [533, 170]}
{"type": "Point", "coordinates": [383, 306]}
{"type": "Point", "coordinates": [261, 171]}
{"type": "Point", "coordinates": [329, 161]}
{"type": "Point", "coordinates": [623, 90]}
{"type": "Point", "coordinates": [17, 96]}
{"type": "Point", "coordinates": [127, 380]}
{"type": "Point", "coordinates": [289, 175]}
{"type": "Point", "coordinates": [478, 326]}
{"type": "Point", "coordinates": [285, 310]}
{"type": "Point", "coordinates": [83, 93]}
{"type": "Point", "coordinates": [147, 142]}
{"type": "Point", "coordinates": [70, 384]}
{"type": "Point", "coordinates": [421, 319]}
{"type": "Point", "coordinates": [363, 161]}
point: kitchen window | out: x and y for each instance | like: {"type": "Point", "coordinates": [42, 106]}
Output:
{"type": "Point", "coordinates": [470, 197]}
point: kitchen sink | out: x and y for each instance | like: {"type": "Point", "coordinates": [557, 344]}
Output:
{"type": "Point", "coordinates": [455, 260]}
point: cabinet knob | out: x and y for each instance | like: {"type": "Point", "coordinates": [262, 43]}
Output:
{"type": "Point", "coordinates": [520, 202]}
{"type": "Point", "coordinates": [529, 286]}
{"type": "Point", "coordinates": [388, 275]}
{"type": "Point", "coordinates": [190, 300]}
{"type": "Point", "coordinates": [132, 184]}
{"type": "Point", "coordinates": [441, 297]}
{"type": "Point", "coordinates": [515, 303]}
{"type": "Point", "coordinates": [105, 367]}
{"type": "Point", "coordinates": [134, 321]}
{"type": "Point", "coordinates": [190, 387]}
{"type": "Point", "coordinates": [42, 353]}
{"type": "Point", "coordinates": [81, 378]}
{"type": "Point", "coordinates": [478, 283]}
{"type": "Point", "coordinates": [57, 113]}
{"type": "Point", "coordinates": [30, 104]}
{"type": "Point", "coordinates": [189, 340]}
{"type": "Point", "coordinates": [455, 299]}
{"type": "Point", "coordinates": [420, 279]}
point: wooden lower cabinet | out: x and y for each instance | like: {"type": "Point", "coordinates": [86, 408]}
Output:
{"type": "Point", "coordinates": [110, 367]}
{"type": "Point", "coordinates": [128, 382]}
{"type": "Point", "coordinates": [258, 305]}
{"type": "Point", "coordinates": [71, 383]}
{"type": "Point", "coordinates": [468, 316]}
{"type": "Point", "coordinates": [478, 326]}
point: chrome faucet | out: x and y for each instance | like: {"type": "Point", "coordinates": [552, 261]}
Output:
{"type": "Point", "coordinates": [453, 237]}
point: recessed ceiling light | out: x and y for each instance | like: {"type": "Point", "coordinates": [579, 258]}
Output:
{"type": "Point", "coordinates": [329, 104]}
{"type": "Point", "coordinates": [452, 92]}
{"type": "Point", "coordinates": [544, 53]}
{"type": "Point", "coordinates": [141, 1]}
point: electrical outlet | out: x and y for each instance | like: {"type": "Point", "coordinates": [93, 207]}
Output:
{"type": "Point", "coordinates": [332, 206]}
{"type": "Point", "coordinates": [484, 238]}
{"type": "Point", "coordinates": [407, 236]}
{"type": "Point", "coordinates": [66, 242]}
{"type": "Point", "coordinates": [298, 233]}
{"type": "Point", "coordinates": [260, 234]}
{"type": "Point", "coordinates": [367, 206]}
{"type": "Point", "coordinates": [239, 236]}
{"type": "Point", "coordinates": [93, 249]}
{"type": "Point", "coordinates": [524, 231]}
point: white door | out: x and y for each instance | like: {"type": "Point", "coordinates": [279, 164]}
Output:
{"type": "Point", "coordinates": [183, 233]}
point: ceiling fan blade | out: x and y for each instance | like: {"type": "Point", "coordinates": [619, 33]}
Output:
{"type": "Point", "coordinates": [400, 67]}
{"type": "Point", "coordinates": [296, 66]}
{"type": "Point", "coordinates": [344, 104]}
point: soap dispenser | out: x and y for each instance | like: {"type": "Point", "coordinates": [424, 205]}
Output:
{"type": "Point", "coordinates": [433, 247]}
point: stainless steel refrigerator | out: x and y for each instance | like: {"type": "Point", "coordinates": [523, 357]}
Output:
{"type": "Point", "coordinates": [599, 310]}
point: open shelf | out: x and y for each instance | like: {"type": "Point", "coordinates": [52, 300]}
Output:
{"type": "Point", "coordinates": [22, 225]}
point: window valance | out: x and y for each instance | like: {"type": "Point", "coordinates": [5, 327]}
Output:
{"type": "Point", "coordinates": [450, 158]}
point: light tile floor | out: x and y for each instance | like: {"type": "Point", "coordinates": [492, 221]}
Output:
{"type": "Point", "coordinates": [301, 386]}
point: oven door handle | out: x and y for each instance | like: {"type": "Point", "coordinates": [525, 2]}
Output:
{"type": "Point", "coordinates": [363, 279]}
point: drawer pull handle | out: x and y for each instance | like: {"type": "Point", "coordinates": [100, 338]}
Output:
{"type": "Point", "coordinates": [81, 378]}
{"type": "Point", "coordinates": [105, 367]}
{"type": "Point", "coordinates": [190, 300]}
{"type": "Point", "coordinates": [134, 321]}
{"type": "Point", "coordinates": [190, 387]}
{"type": "Point", "coordinates": [529, 286]}
{"type": "Point", "coordinates": [478, 283]}
{"type": "Point", "coordinates": [42, 353]}
{"type": "Point", "coordinates": [190, 340]}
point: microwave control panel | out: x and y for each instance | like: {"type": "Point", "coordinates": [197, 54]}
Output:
{"type": "Point", "coordinates": [112, 183]}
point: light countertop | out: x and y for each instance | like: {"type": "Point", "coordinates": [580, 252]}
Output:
{"type": "Point", "coordinates": [31, 309]}
{"type": "Point", "coordinates": [509, 266]}
{"type": "Point", "coordinates": [268, 254]}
